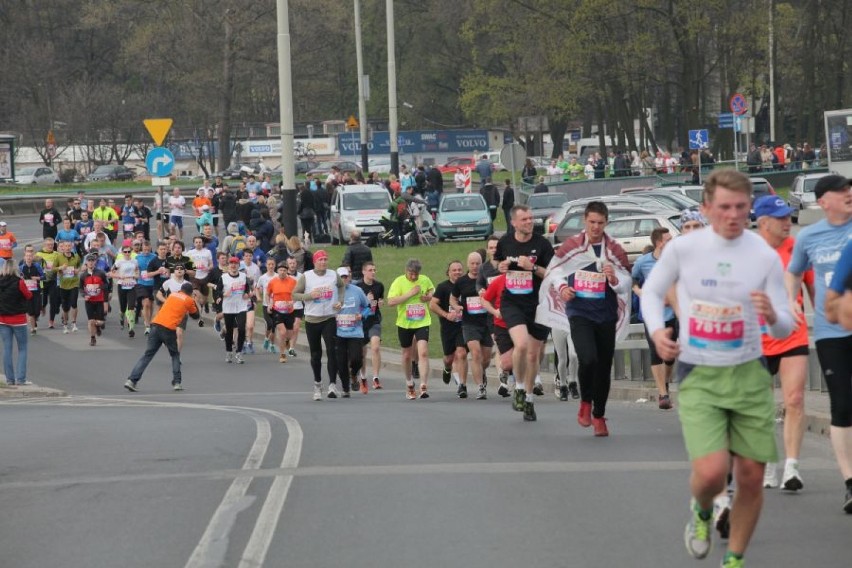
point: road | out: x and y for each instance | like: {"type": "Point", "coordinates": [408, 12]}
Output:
{"type": "Point", "coordinates": [243, 469]}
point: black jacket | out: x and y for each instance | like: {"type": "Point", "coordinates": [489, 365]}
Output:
{"type": "Point", "coordinates": [355, 256]}
{"type": "Point", "coordinates": [491, 194]}
{"type": "Point", "coordinates": [228, 207]}
{"type": "Point", "coordinates": [508, 198]}
{"type": "Point", "coordinates": [12, 300]}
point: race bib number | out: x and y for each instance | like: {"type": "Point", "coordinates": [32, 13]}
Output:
{"type": "Point", "coordinates": [48, 265]}
{"type": "Point", "coordinates": [590, 285]}
{"type": "Point", "coordinates": [415, 312]}
{"type": "Point", "coordinates": [127, 283]}
{"type": "Point", "coordinates": [48, 218]}
{"type": "Point", "coordinates": [373, 305]}
{"type": "Point", "coordinates": [347, 321]}
{"type": "Point", "coordinates": [92, 290]}
{"type": "Point", "coordinates": [716, 328]}
{"type": "Point", "coordinates": [128, 227]}
{"type": "Point", "coordinates": [5, 244]}
{"type": "Point", "coordinates": [69, 272]}
{"type": "Point", "coordinates": [238, 289]}
{"type": "Point", "coordinates": [519, 282]}
{"type": "Point", "coordinates": [474, 305]}
{"type": "Point", "coordinates": [326, 294]}
{"type": "Point", "coordinates": [282, 306]}
{"type": "Point", "coordinates": [32, 285]}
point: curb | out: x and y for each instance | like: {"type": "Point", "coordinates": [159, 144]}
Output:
{"type": "Point", "coordinates": [29, 391]}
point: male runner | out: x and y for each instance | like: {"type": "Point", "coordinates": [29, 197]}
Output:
{"type": "Point", "coordinates": [411, 293]}
{"type": "Point", "coordinates": [93, 282]}
{"type": "Point", "coordinates": [261, 295]}
{"type": "Point", "coordinates": [236, 290]}
{"type": "Point", "coordinates": [202, 260]}
{"type": "Point", "coordinates": [475, 331]}
{"type": "Point", "coordinates": [279, 296]}
{"type": "Point", "coordinates": [452, 338]}
{"type": "Point", "coordinates": [68, 269]}
{"type": "Point", "coordinates": [372, 324]}
{"type": "Point", "coordinates": [491, 299]}
{"type": "Point", "coordinates": [49, 257]}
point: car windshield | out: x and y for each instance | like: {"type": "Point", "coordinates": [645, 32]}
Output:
{"type": "Point", "coordinates": [465, 203]}
{"type": "Point", "coordinates": [26, 171]}
{"type": "Point", "coordinates": [103, 170]}
{"type": "Point", "coordinates": [547, 201]}
{"type": "Point", "coordinates": [759, 188]}
{"type": "Point", "coordinates": [695, 194]}
{"type": "Point", "coordinates": [369, 200]}
{"type": "Point", "coordinates": [810, 184]}
{"type": "Point", "coordinates": [325, 165]}
{"type": "Point", "coordinates": [675, 199]}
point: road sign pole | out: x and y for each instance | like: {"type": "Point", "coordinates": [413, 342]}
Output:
{"type": "Point", "coordinates": [736, 143]}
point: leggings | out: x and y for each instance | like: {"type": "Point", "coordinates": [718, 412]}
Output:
{"type": "Point", "coordinates": [836, 362]}
{"type": "Point", "coordinates": [237, 321]}
{"type": "Point", "coordinates": [318, 333]}
{"type": "Point", "coordinates": [595, 345]}
{"type": "Point", "coordinates": [126, 299]}
{"type": "Point", "coordinates": [350, 359]}
{"type": "Point", "coordinates": [566, 355]}
{"type": "Point", "coordinates": [51, 296]}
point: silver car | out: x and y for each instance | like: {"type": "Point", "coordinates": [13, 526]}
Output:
{"type": "Point", "coordinates": [633, 233]}
{"type": "Point", "coordinates": [357, 207]}
{"type": "Point", "coordinates": [802, 194]}
{"type": "Point", "coordinates": [41, 175]}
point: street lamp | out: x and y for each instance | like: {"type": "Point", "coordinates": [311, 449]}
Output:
{"type": "Point", "coordinates": [392, 116]}
{"type": "Point", "coordinates": [285, 89]}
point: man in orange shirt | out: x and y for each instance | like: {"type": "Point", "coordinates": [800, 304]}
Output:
{"type": "Point", "coordinates": [7, 242]}
{"type": "Point", "coordinates": [164, 332]}
{"type": "Point", "coordinates": [280, 294]}
{"type": "Point", "coordinates": [788, 357]}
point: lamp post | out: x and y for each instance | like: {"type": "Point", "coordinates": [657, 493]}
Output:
{"type": "Point", "coordinates": [285, 91]}
{"type": "Point", "coordinates": [392, 116]}
{"type": "Point", "coordinates": [362, 102]}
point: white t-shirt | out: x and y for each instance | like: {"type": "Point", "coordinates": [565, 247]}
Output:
{"type": "Point", "coordinates": [176, 205]}
{"type": "Point", "coordinates": [261, 283]}
{"type": "Point", "coordinates": [233, 290]}
{"type": "Point", "coordinates": [126, 270]}
{"type": "Point", "coordinates": [202, 260]}
{"type": "Point", "coordinates": [171, 286]}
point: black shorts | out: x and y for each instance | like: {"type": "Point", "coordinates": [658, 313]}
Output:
{"type": "Point", "coordinates": [451, 339]}
{"type": "Point", "coordinates": [287, 320]}
{"type": "Point", "coordinates": [34, 304]}
{"type": "Point", "coordinates": [833, 354]}
{"type": "Point", "coordinates": [201, 284]}
{"type": "Point", "coordinates": [144, 292]}
{"type": "Point", "coordinates": [374, 330]}
{"type": "Point", "coordinates": [656, 359]}
{"type": "Point", "coordinates": [773, 362]}
{"type": "Point", "coordinates": [268, 318]}
{"type": "Point", "coordinates": [503, 339]}
{"type": "Point", "coordinates": [68, 298]}
{"type": "Point", "coordinates": [514, 314]}
{"type": "Point", "coordinates": [407, 336]}
{"type": "Point", "coordinates": [95, 311]}
{"type": "Point", "coordinates": [478, 333]}
{"type": "Point", "coordinates": [299, 313]}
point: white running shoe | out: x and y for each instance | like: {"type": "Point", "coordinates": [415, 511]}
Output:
{"type": "Point", "coordinates": [332, 390]}
{"type": "Point", "coordinates": [238, 357]}
{"type": "Point", "coordinates": [791, 480]}
{"type": "Point", "coordinates": [74, 328]}
{"type": "Point", "coordinates": [65, 329]}
{"type": "Point", "coordinates": [770, 475]}
{"type": "Point", "coordinates": [317, 391]}
{"type": "Point", "coordinates": [229, 357]}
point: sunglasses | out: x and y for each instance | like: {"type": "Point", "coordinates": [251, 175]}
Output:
{"type": "Point", "coordinates": [182, 269]}
{"type": "Point", "coordinates": [126, 250]}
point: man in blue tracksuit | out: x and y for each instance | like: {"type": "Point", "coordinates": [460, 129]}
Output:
{"type": "Point", "coordinates": [350, 332]}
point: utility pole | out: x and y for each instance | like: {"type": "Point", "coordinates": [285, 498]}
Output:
{"type": "Point", "coordinates": [362, 101]}
{"type": "Point", "coordinates": [392, 110]}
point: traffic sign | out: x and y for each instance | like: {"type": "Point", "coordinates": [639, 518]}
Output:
{"type": "Point", "coordinates": [699, 139]}
{"type": "Point", "coordinates": [512, 156]}
{"type": "Point", "coordinates": [352, 122]}
{"type": "Point", "coordinates": [160, 162]}
{"type": "Point", "coordinates": [738, 104]}
{"type": "Point", "coordinates": [158, 128]}
{"type": "Point", "coordinates": [726, 120]}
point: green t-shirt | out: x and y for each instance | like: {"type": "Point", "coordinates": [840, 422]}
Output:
{"type": "Point", "coordinates": [414, 313]}
{"type": "Point", "coordinates": [48, 262]}
{"type": "Point", "coordinates": [67, 269]}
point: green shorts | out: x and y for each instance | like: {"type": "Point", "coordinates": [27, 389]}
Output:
{"type": "Point", "coordinates": [728, 409]}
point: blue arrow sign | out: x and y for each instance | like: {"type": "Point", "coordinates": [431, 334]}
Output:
{"type": "Point", "coordinates": [160, 162]}
{"type": "Point", "coordinates": [699, 139]}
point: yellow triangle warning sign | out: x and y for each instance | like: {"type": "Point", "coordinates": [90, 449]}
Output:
{"type": "Point", "coordinates": [158, 128]}
{"type": "Point", "coordinates": [352, 122]}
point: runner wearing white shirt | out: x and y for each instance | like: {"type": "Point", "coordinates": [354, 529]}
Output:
{"type": "Point", "coordinates": [176, 207]}
{"type": "Point", "coordinates": [262, 295]}
{"type": "Point", "coordinates": [236, 297]}
{"type": "Point", "coordinates": [202, 259]}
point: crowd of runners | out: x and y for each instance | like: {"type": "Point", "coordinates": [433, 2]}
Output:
{"type": "Point", "coordinates": [723, 302]}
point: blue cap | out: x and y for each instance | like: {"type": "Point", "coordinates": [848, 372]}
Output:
{"type": "Point", "coordinates": [771, 206]}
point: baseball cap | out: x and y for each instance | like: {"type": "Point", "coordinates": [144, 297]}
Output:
{"type": "Point", "coordinates": [233, 259]}
{"type": "Point", "coordinates": [205, 207]}
{"type": "Point", "coordinates": [2, 223]}
{"type": "Point", "coordinates": [320, 255]}
{"type": "Point", "coordinates": [830, 183]}
{"type": "Point", "coordinates": [343, 271]}
{"type": "Point", "coordinates": [91, 257]}
{"type": "Point", "coordinates": [126, 243]}
{"type": "Point", "coordinates": [771, 206]}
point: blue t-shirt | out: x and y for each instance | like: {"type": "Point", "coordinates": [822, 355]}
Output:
{"type": "Point", "coordinates": [591, 303]}
{"type": "Point", "coordinates": [354, 302]}
{"type": "Point", "coordinates": [819, 246]}
{"type": "Point", "coordinates": [842, 270]}
{"type": "Point", "coordinates": [70, 236]}
{"type": "Point", "coordinates": [143, 259]}
{"type": "Point", "coordinates": [641, 270]}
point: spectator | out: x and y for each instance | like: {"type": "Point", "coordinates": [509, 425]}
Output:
{"type": "Point", "coordinates": [492, 197]}
{"type": "Point", "coordinates": [508, 203]}
{"type": "Point", "coordinates": [529, 173]}
{"type": "Point", "coordinates": [307, 211]}
{"type": "Point", "coordinates": [436, 178]}
{"type": "Point", "coordinates": [14, 298]}
{"type": "Point", "coordinates": [357, 253]}
{"type": "Point", "coordinates": [541, 186]}
{"type": "Point", "coordinates": [483, 168]}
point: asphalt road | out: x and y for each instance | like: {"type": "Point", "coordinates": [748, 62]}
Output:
{"type": "Point", "coordinates": [243, 469]}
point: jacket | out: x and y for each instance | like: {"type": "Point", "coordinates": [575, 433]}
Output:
{"type": "Point", "coordinates": [355, 256]}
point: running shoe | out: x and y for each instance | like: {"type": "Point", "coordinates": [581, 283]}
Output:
{"type": "Point", "coordinates": [377, 384]}
{"type": "Point", "coordinates": [272, 348]}
{"type": "Point", "coordinates": [229, 357]}
{"type": "Point", "coordinates": [584, 414]}
{"type": "Point", "coordinates": [362, 385]}
{"type": "Point", "coordinates": [99, 330]}
{"type": "Point", "coordinates": [121, 321]}
{"type": "Point", "coordinates": [572, 388]}
{"type": "Point", "coordinates": [482, 394]}
{"type": "Point", "coordinates": [529, 412]}
{"type": "Point", "coordinates": [518, 402]}
{"type": "Point", "coordinates": [332, 390]}
{"type": "Point", "coordinates": [217, 326]}
{"type": "Point", "coordinates": [64, 329]}
{"type": "Point", "coordinates": [423, 392]}
{"type": "Point", "coordinates": [266, 344]}
{"type": "Point", "coordinates": [177, 387]}
{"type": "Point", "coordinates": [131, 334]}
{"type": "Point", "coordinates": [51, 326]}
{"type": "Point", "coordinates": [665, 402]}
{"type": "Point", "coordinates": [201, 323]}
{"type": "Point", "coordinates": [345, 394]}
{"type": "Point", "coordinates": [93, 341]}
{"type": "Point", "coordinates": [538, 389]}
{"type": "Point", "coordinates": [291, 352]}
{"type": "Point", "coordinates": [770, 475]}
{"type": "Point", "coordinates": [791, 480]}
{"type": "Point", "coordinates": [250, 346]}
{"type": "Point", "coordinates": [238, 357]}
{"type": "Point", "coordinates": [447, 375]}
{"type": "Point", "coordinates": [599, 424]}
{"type": "Point", "coordinates": [410, 394]}
{"type": "Point", "coordinates": [503, 387]}
{"type": "Point", "coordinates": [563, 393]}
{"type": "Point", "coordinates": [131, 385]}
{"type": "Point", "coordinates": [33, 331]}
{"type": "Point", "coordinates": [282, 358]}
{"type": "Point", "coordinates": [733, 562]}
{"type": "Point", "coordinates": [147, 331]}
{"type": "Point", "coordinates": [462, 391]}
{"type": "Point", "coordinates": [722, 516]}
{"type": "Point", "coordinates": [415, 370]}
{"type": "Point", "coordinates": [697, 534]}
{"type": "Point", "coordinates": [317, 391]}
{"type": "Point", "coordinates": [74, 328]}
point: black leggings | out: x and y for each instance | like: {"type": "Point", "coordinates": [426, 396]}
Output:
{"type": "Point", "coordinates": [319, 333]}
{"type": "Point", "coordinates": [126, 299]}
{"type": "Point", "coordinates": [350, 358]}
{"type": "Point", "coordinates": [836, 362]}
{"type": "Point", "coordinates": [237, 321]}
{"type": "Point", "coordinates": [595, 346]}
{"type": "Point", "coordinates": [51, 296]}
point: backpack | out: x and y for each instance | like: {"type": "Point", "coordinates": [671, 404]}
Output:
{"type": "Point", "coordinates": [402, 210]}
{"type": "Point", "coordinates": [237, 245]}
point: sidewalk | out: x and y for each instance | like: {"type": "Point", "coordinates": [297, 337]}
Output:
{"type": "Point", "coordinates": [28, 391]}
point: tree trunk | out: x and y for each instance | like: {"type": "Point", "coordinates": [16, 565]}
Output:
{"type": "Point", "coordinates": [226, 96]}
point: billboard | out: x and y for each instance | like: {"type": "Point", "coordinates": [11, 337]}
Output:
{"type": "Point", "coordinates": [838, 136]}
{"type": "Point", "coordinates": [463, 142]}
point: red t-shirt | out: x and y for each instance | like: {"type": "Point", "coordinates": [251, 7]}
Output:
{"type": "Point", "coordinates": [799, 337]}
{"type": "Point", "coordinates": [492, 295]}
{"type": "Point", "coordinates": [93, 286]}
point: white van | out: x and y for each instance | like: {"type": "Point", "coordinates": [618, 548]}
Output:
{"type": "Point", "coordinates": [357, 207]}
{"type": "Point", "coordinates": [494, 158]}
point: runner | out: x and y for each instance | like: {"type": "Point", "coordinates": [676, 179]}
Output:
{"type": "Point", "coordinates": [278, 291]}
{"type": "Point", "coordinates": [411, 293]}
{"type": "Point", "coordinates": [68, 269]}
{"type": "Point", "coordinates": [452, 337]}
{"type": "Point", "coordinates": [8, 242]}
{"type": "Point", "coordinates": [350, 333]}
{"type": "Point", "coordinates": [145, 285]}
{"type": "Point", "coordinates": [523, 257]}
{"type": "Point", "coordinates": [252, 271]}
{"type": "Point", "coordinates": [125, 271]}
{"type": "Point", "coordinates": [474, 320]}
{"type": "Point", "coordinates": [372, 324]}
{"type": "Point", "coordinates": [202, 260]}
{"type": "Point", "coordinates": [298, 309]}
{"type": "Point", "coordinates": [491, 299]}
{"type": "Point", "coordinates": [216, 273]}
{"type": "Point", "coordinates": [176, 207]}
{"type": "Point", "coordinates": [236, 294]}
{"type": "Point", "coordinates": [163, 332]}
{"type": "Point", "coordinates": [128, 217]}
{"type": "Point", "coordinates": [727, 278]}
{"type": "Point", "coordinates": [33, 275]}
{"type": "Point", "coordinates": [819, 246]}
{"type": "Point", "coordinates": [94, 284]}
{"type": "Point", "coordinates": [262, 295]}
{"type": "Point", "coordinates": [48, 257]}
{"type": "Point", "coordinates": [321, 289]}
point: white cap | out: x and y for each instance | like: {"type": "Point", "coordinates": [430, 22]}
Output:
{"type": "Point", "coordinates": [343, 271]}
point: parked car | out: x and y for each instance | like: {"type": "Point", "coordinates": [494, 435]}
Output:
{"type": "Point", "coordinates": [760, 187]}
{"type": "Point", "coordinates": [357, 207]}
{"type": "Point", "coordinates": [633, 233]}
{"type": "Point", "coordinates": [324, 168]}
{"type": "Point", "coordinates": [300, 167]}
{"type": "Point", "coordinates": [463, 215]}
{"type": "Point", "coordinates": [802, 194]}
{"type": "Point", "coordinates": [382, 164]}
{"type": "Point", "coordinates": [545, 207]}
{"type": "Point", "coordinates": [694, 192]}
{"type": "Point", "coordinates": [455, 164]}
{"type": "Point", "coordinates": [572, 223]}
{"type": "Point", "coordinates": [37, 175]}
{"type": "Point", "coordinates": [112, 172]}
{"type": "Point", "coordinates": [671, 198]}
{"type": "Point", "coordinates": [629, 200]}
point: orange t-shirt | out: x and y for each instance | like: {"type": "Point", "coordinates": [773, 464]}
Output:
{"type": "Point", "coordinates": [799, 337]}
{"type": "Point", "coordinates": [280, 293]}
{"type": "Point", "coordinates": [175, 308]}
{"type": "Point", "coordinates": [7, 243]}
{"type": "Point", "coordinates": [199, 201]}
